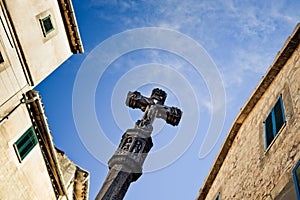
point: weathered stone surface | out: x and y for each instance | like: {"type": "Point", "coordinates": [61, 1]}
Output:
{"type": "Point", "coordinates": [250, 171]}
{"type": "Point", "coordinates": [126, 164]}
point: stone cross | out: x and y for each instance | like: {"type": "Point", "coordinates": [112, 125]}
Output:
{"type": "Point", "coordinates": [125, 166]}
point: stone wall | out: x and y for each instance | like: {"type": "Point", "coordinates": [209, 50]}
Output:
{"type": "Point", "coordinates": [250, 171]}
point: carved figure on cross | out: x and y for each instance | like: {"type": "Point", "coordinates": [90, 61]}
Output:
{"type": "Point", "coordinates": [154, 107]}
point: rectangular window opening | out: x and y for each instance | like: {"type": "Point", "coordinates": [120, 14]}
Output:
{"type": "Point", "coordinates": [278, 116]}
{"type": "Point", "coordinates": [274, 122]}
{"type": "Point", "coordinates": [1, 58]}
{"type": "Point", "coordinates": [25, 143]}
{"type": "Point", "coordinates": [47, 25]}
{"type": "Point", "coordinates": [269, 130]}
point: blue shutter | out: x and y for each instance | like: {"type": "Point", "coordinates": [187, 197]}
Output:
{"type": "Point", "coordinates": [296, 175]}
{"type": "Point", "coordinates": [274, 122]}
{"type": "Point", "coordinates": [279, 115]}
{"type": "Point", "coordinates": [269, 130]}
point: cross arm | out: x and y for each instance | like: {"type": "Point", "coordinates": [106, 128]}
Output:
{"type": "Point", "coordinates": [171, 115]}
{"type": "Point", "coordinates": [154, 106]}
{"type": "Point", "coordinates": [136, 100]}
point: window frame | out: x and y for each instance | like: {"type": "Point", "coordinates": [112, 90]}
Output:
{"type": "Point", "coordinates": [25, 144]}
{"type": "Point", "coordinates": [42, 20]}
{"type": "Point", "coordinates": [296, 181]}
{"type": "Point", "coordinates": [275, 130]}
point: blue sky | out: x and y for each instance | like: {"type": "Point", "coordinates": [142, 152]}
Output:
{"type": "Point", "coordinates": [240, 39]}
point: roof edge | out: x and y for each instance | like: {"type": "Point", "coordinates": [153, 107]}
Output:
{"type": "Point", "coordinates": [280, 60]}
{"type": "Point", "coordinates": [40, 124]}
{"type": "Point", "coordinates": [72, 31]}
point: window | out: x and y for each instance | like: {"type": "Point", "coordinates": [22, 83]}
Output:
{"type": "Point", "coordinates": [218, 197]}
{"type": "Point", "coordinates": [25, 143]}
{"type": "Point", "coordinates": [274, 122]}
{"type": "Point", "coordinates": [296, 174]}
{"type": "Point", "coordinates": [1, 58]}
{"type": "Point", "coordinates": [47, 25]}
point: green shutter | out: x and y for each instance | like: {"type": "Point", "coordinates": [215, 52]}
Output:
{"type": "Point", "coordinates": [26, 143]}
{"type": "Point", "coordinates": [47, 25]}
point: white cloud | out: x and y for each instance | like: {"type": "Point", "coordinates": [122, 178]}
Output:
{"type": "Point", "coordinates": [242, 37]}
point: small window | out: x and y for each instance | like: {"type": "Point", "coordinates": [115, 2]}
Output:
{"type": "Point", "coordinates": [274, 122]}
{"type": "Point", "coordinates": [47, 25]}
{"type": "Point", "coordinates": [218, 197]}
{"type": "Point", "coordinates": [1, 58]}
{"type": "Point", "coordinates": [25, 143]}
{"type": "Point", "coordinates": [296, 175]}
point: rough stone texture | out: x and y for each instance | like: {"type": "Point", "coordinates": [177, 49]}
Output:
{"type": "Point", "coordinates": [67, 167]}
{"type": "Point", "coordinates": [250, 171]}
{"type": "Point", "coordinates": [76, 180]}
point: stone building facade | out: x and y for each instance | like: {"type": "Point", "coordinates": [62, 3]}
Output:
{"type": "Point", "coordinates": [260, 156]}
{"type": "Point", "coordinates": [35, 38]}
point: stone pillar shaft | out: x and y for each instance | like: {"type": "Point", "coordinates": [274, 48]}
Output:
{"type": "Point", "coordinates": [115, 186]}
{"type": "Point", "coordinates": [126, 163]}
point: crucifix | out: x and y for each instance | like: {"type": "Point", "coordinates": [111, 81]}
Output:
{"type": "Point", "coordinates": [125, 166]}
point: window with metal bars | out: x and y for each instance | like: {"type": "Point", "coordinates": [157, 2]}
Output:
{"type": "Point", "coordinates": [274, 122]}
{"type": "Point", "coordinates": [25, 143]}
